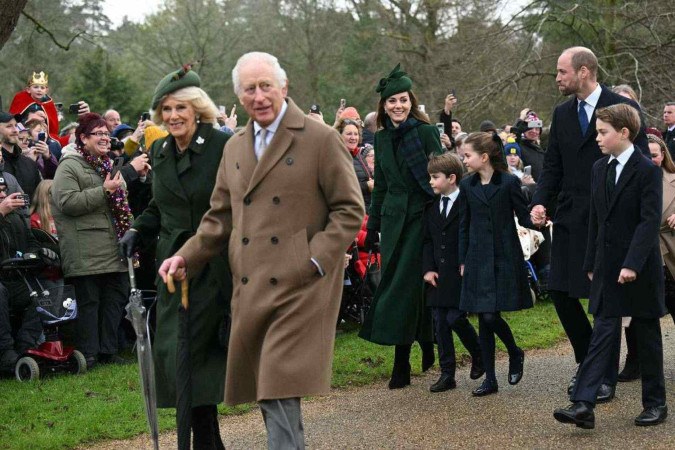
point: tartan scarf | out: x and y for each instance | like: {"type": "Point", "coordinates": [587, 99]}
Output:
{"type": "Point", "coordinates": [407, 141]}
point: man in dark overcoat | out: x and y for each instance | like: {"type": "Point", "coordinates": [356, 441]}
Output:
{"type": "Point", "coordinates": [571, 153]}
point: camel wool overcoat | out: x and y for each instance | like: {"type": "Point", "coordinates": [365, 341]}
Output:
{"type": "Point", "coordinates": [300, 202]}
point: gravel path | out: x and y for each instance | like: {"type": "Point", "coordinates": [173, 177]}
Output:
{"type": "Point", "coordinates": [413, 418]}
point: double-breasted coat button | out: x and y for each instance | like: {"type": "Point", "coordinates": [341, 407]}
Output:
{"type": "Point", "coordinates": [275, 240]}
{"type": "Point", "coordinates": [443, 247]}
{"type": "Point", "coordinates": [273, 281]}
{"type": "Point", "coordinates": [244, 280]}
{"type": "Point", "coordinates": [443, 233]}
{"type": "Point", "coordinates": [247, 200]}
{"type": "Point", "coordinates": [276, 200]}
{"type": "Point", "coordinates": [289, 161]}
{"type": "Point", "coordinates": [245, 241]}
{"type": "Point", "coordinates": [442, 260]}
{"type": "Point", "coordinates": [236, 165]}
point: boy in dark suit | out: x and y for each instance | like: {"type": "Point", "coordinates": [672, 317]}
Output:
{"type": "Point", "coordinates": [441, 271]}
{"type": "Point", "coordinates": [624, 265]}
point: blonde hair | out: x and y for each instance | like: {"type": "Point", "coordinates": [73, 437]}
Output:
{"type": "Point", "coordinates": [204, 107]}
{"type": "Point", "coordinates": [40, 204]}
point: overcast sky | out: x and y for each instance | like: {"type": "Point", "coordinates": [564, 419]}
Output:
{"type": "Point", "coordinates": [135, 10]}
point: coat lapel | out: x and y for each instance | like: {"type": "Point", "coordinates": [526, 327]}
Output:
{"type": "Point", "coordinates": [668, 192]}
{"type": "Point", "coordinates": [164, 166]}
{"type": "Point", "coordinates": [626, 174]}
{"type": "Point", "coordinates": [452, 215]}
{"type": "Point", "coordinates": [591, 132]}
{"type": "Point", "coordinates": [477, 188]}
{"type": "Point", "coordinates": [245, 161]}
{"type": "Point", "coordinates": [602, 175]}
{"type": "Point", "coordinates": [281, 142]}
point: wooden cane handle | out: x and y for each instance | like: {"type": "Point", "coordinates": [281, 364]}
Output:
{"type": "Point", "coordinates": [171, 287]}
{"type": "Point", "coordinates": [184, 294]}
{"type": "Point", "coordinates": [169, 284]}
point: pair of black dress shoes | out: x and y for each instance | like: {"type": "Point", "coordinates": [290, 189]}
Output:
{"type": "Point", "coordinates": [516, 367]}
{"type": "Point", "coordinates": [581, 414]}
{"type": "Point", "coordinates": [446, 382]}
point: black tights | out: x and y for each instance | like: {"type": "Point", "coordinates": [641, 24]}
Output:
{"type": "Point", "coordinates": [490, 324]}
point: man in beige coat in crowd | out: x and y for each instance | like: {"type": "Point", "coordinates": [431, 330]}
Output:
{"type": "Point", "coordinates": [288, 199]}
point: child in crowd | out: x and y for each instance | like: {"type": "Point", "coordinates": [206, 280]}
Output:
{"type": "Point", "coordinates": [624, 264]}
{"type": "Point", "coordinates": [39, 150]}
{"type": "Point", "coordinates": [441, 271]}
{"type": "Point", "coordinates": [40, 211]}
{"type": "Point", "coordinates": [513, 154]}
{"type": "Point", "coordinates": [491, 258]}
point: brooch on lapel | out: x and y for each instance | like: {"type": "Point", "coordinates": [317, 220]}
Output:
{"type": "Point", "coordinates": [200, 140]}
{"type": "Point", "coordinates": [164, 144]}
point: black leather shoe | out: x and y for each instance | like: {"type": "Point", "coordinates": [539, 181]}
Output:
{"type": "Point", "coordinates": [400, 376]}
{"type": "Point", "coordinates": [444, 383]}
{"type": "Point", "coordinates": [605, 393]}
{"type": "Point", "coordinates": [91, 362]}
{"type": "Point", "coordinates": [652, 416]}
{"type": "Point", "coordinates": [579, 413]}
{"type": "Point", "coordinates": [8, 359]}
{"type": "Point", "coordinates": [486, 388]}
{"type": "Point", "coordinates": [630, 372]}
{"type": "Point", "coordinates": [477, 369]}
{"type": "Point", "coordinates": [516, 365]}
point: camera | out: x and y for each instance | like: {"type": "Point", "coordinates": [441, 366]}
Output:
{"type": "Point", "coordinates": [316, 109]}
{"type": "Point", "coordinates": [116, 144]}
{"type": "Point", "coordinates": [74, 108]}
{"type": "Point", "coordinates": [145, 116]}
{"type": "Point", "coordinates": [42, 136]}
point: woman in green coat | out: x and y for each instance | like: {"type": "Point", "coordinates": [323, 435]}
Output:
{"type": "Point", "coordinates": [401, 193]}
{"type": "Point", "coordinates": [185, 165]}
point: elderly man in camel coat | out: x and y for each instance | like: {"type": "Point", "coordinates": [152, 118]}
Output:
{"type": "Point", "coordinates": [287, 198]}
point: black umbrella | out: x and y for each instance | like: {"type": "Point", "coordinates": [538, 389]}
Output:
{"type": "Point", "coordinates": [183, 368]}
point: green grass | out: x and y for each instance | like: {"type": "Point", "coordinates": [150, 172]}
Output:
{"type": "Point", "coordinates": [65, 411]}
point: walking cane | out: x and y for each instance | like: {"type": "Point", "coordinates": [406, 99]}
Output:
{"type": "Point", "coordinates": [183, 367]}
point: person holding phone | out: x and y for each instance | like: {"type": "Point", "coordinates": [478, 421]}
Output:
{"type": "Point", "coordinates": [91, 213]}
{"type": "Point", "coordinates": [13, 161]}
{"type": "Point", "coordinates": [39, 150]}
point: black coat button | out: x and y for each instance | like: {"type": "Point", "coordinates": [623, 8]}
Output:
{"type": "Point", "coordinates": [275, 240]}
{"type": "Point", "coordinates": [245, 241]}
{"type": "Point", "coordinates": [289, 161]}
{"type": "Point", "coordinates": [247, 200]}
{"type": "Point", "coordinates": [237, 165]}
{"type": "Point", "coordinates": [273, 281]}
{"type": "Point", "coordinates": [244, 280]}
{"type": "Point", "coordinates": [276, 200]}
{"type": "Point", "coordinates": [442, 260]}
{"type": "Point", "coordinates": [443, 233]}
{"type": "Point", "coordinates": [442, 247]}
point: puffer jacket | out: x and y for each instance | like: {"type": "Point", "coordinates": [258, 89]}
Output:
{"type": "Point", "coordinates": [84, 221]}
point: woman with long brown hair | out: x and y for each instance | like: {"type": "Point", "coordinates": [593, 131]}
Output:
{"type": "Point", "coordinates": [402, 149]}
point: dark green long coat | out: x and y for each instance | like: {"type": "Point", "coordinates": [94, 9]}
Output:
{"type": "Point", "coordinates": [398, 315]}
{"type": "Point", "coordinates": [181, 193]}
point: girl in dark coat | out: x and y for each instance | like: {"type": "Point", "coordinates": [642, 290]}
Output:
{"type": "Point", "coordinates": [490, 255]}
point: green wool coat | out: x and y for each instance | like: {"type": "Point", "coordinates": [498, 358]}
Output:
{"type": "Point", "coordinates": [83, 219]}
{"type": "Point", "coordinates": [398, 315]}
{"type": "Point", "coordinates": [181, 191]}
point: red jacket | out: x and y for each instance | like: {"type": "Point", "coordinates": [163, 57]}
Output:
{"type": "Point", "coordinates": [22, 100]}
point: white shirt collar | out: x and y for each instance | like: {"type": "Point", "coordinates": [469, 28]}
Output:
{"type": "Point", "coordinates": [272, 128]}
{"type": "Point", "coordinates": [623, 157]}
{"type": "Point", "coordinates": [452, 196]}
{"type": "Point", "coordinates": [594, 96]}
{"type": "Point", "coordinates": [671, 128]}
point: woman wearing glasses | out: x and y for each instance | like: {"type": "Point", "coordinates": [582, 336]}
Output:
{"type": "Point", "coordinates": [91, 213]}
{"type": "Point", "coordinates": [350, 131]}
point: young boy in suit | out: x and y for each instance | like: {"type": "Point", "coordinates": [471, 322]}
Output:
{"type": "Point", "coordinates": [624, 265]}
{"type": "Point", "coordinates": [441, 271]}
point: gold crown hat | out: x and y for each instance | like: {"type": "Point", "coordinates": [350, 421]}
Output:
{"type": "Point", "coordinates": [41, 79]}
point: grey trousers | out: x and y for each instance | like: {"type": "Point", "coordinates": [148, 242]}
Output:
{"type": "Point", "coordinates": [283, 420]}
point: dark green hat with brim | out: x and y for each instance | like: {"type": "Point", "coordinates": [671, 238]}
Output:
{"type": "Point", "coordinates": [181, 78]}
{"type": "Point", "coordinates": [396, 82]}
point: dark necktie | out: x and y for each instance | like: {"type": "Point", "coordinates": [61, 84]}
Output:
{"type": "Point", "coordinates": [445, 200]}
{"type": "Point", "coordinates": [583, 117]}
{"type": "Point", "coordinates": [610, 181]}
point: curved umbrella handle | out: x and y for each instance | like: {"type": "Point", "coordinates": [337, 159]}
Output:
{"type": "Point", "coordinates": [184, 290]}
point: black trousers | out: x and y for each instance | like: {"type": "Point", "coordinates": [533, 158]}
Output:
{"type": "Point", "coordinates": [447, 320]}
{"type": "Point", "coordinates": [100, 308]}
{"type": "Point", "coordinates": [603, 353]}
{"type": "Point", "coordinates": [573, 319]}
{"type": "Point", "coordinates": [15, 299]}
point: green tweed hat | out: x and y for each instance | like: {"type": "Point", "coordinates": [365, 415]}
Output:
{"type": "Point", "coordinates": [394, 83]}
{"type": "Point", "coordinates": [183, 77]}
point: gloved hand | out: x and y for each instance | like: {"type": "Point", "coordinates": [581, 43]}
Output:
{"type": "Point", "coordinates": [128, 243]}
{"type": "Point", "coordinates": [372, 240]}
{"type": "Point", "coordinates": [49, 256]}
